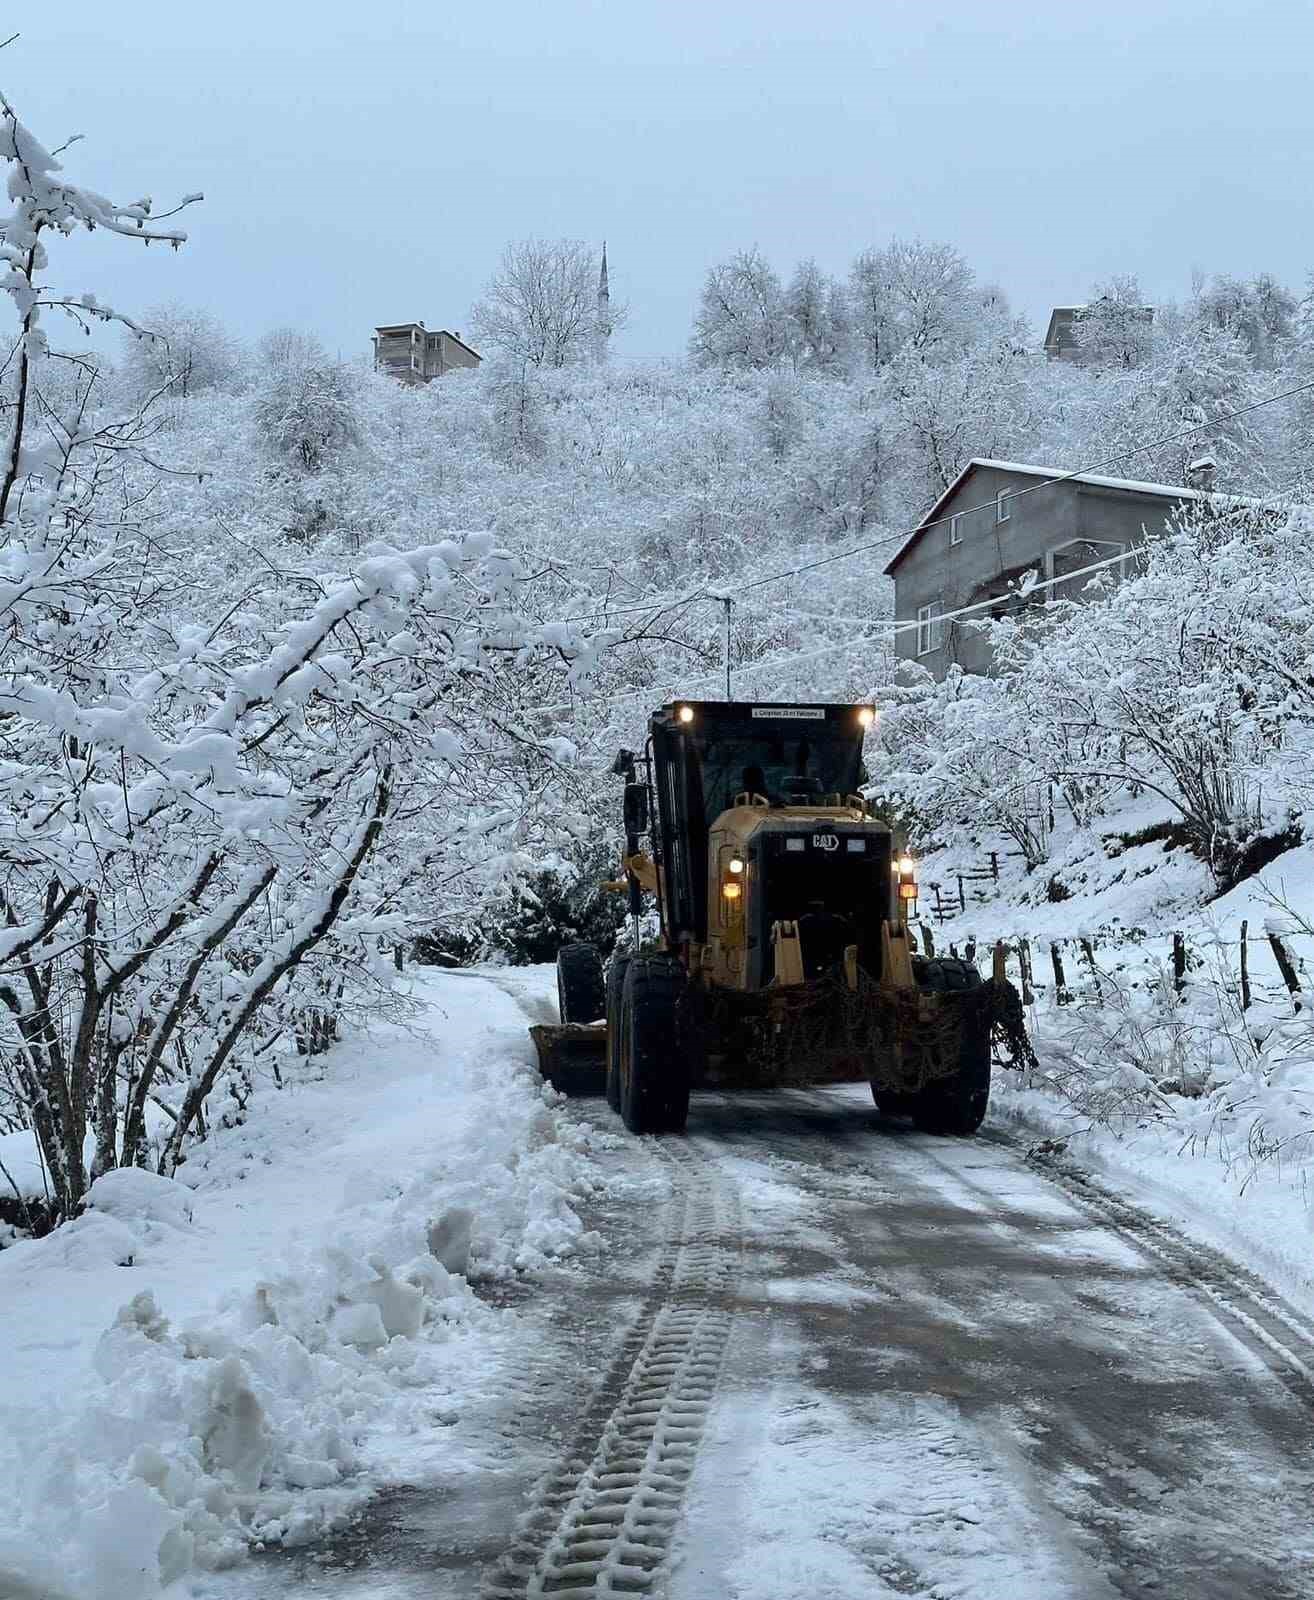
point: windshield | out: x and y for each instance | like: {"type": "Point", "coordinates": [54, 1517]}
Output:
{"type": "Point", "coordinates": [776, 763]}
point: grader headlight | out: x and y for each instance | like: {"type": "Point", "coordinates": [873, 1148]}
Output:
{"type": "Point", "coordinates": [866, 716]}
{"type": "Point", "coordinates": [731, 891]}
{"type": "Point", "coordinates": [905, 869]}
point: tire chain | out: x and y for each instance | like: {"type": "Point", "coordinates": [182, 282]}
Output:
{"type": "Point", "coordinates": [603, 1520]}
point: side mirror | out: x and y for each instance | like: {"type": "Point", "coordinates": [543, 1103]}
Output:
{"type": "Point", "coordinates": [623, 765]}
{"type": "Point", "coordinates": [636, 809]}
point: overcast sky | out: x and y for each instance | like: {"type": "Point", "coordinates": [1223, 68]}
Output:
{"type": "Point", "coordinates": [365, 163]}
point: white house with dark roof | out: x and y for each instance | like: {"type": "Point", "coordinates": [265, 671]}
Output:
{"type": "Point", "coordinates": [1000, 521]}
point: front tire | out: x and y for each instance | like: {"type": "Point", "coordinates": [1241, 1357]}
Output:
{"type": "Point", "coordinates": [581, 993]}
{"type": "Point", "coordinates": [956, 1103]}
{"type": "Point", "coordinates": [654, 1065]}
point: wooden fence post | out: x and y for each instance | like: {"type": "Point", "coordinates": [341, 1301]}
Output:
{"type": "Point", "coordinates": [969, 950]}
{"type": "Point", "coordinates": [1287, 968]}
{"type": "Point", "coordinates": [999, 962]}
{"type": "Point", "coordinates": [1179, 963]}
{"type": "Point", "coordinates": [1061, 994]}
{"type": "Point", "coordinates": [928, 940]}
{"type": "Point", "coordinates": [1024, 966]}
{"type": "Point", "coordinates": [1245, 969]}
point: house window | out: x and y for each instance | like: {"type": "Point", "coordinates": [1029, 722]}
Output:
{"type": "Point", "coordinates": [1003, 511]}
{"type": "Point", "coordinates": [956, 528]}
{"type": "Point", "coordinates": [930, 630]}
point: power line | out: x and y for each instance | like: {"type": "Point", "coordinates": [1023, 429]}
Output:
{"type": "Point", "coordinates": [886, 539]}
{"type": "Point", "coordinates": [894, 626]}
{"type": "Point", "coordinates": [885, 627]}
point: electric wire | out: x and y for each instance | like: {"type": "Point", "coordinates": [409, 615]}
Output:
{"type": "Point", "coordinates": [885, 627]}
{"type": "Point", "coordinates": [673, 602]}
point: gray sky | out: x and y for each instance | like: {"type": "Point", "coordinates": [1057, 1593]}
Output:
{"type": "Point", "coordinates": [365, 163]}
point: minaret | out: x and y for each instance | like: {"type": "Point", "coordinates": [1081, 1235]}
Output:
{"type": "Point", "coordinates": [602, 333]}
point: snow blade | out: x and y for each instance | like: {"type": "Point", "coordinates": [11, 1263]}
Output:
{"type": "Point", "coordinates": [572, 1056]}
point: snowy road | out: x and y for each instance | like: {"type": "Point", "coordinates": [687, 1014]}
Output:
{"type": "Point", "coordinates": [832, 1357]}
{"type": "Point", "coordinates": [950, 1377]}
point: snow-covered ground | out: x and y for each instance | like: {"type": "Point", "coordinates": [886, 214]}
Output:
{"type": "Point", "coordinates": [949, 1377]}
{"type": "Point", "coordinates": [255, 1352]}
{"type": "Point", "coordinates": [250, 1353]}
{"type": "Point", "coordinates": [1192, 1159]}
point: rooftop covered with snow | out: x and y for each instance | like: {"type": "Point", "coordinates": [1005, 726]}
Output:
{"type": "Point", "coordinates": [1057, 475]}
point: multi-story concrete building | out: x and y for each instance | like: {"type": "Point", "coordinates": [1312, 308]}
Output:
{"type": "Point", "coordinates": [1062, 341]}
{"type": "Point", "coordinates": [407, 350]}
{"type": "Point", "coordinates": [999, 521]}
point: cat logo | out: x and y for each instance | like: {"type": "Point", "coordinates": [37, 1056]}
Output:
{"type": "Point", "coordinates": [825, 841]}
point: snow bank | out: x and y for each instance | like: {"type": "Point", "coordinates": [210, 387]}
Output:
{"type": "Point", "coordinates": [1209, 1108]}
{"type": "Point", "coordinates": [1261, 1216]}
{"type": "Point", "coordinates": [148, 1429]}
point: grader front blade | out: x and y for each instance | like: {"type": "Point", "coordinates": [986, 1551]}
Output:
{"type": "Point", "coordinates": [572, 1056]}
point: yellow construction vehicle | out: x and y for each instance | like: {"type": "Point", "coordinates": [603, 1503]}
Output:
{"type": "Point", "coordinates": [784, 954]}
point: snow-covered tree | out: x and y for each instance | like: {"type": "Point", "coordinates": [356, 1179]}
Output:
{"type": "Point", "coordinates": [1115, 329]}
{"type": "Point", "coordinates": [541, 305]}
{"type": "Point", "coordinates": [1260, 313]}
{"type": "Point", "coordinates": [182, 351]}
{"type": "Point", "coordinates": [913, 296]}
{"type": "Point", "coordinates": [304, 407]}
{"type": "Point", "coordinates": [741, 321]}
{"type": "Point", "coordinates": [817, 320]}
{"type": "Point", "coordinates": [216, 819]}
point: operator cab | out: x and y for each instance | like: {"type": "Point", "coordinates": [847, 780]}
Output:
{"type": "Point", "coordinates": [759, 822]}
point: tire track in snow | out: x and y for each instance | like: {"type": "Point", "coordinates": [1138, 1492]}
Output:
{"type": "Point", "coordinates": [1248, 1308]}
{"type": "Point", "coordinates": [603, 1520]}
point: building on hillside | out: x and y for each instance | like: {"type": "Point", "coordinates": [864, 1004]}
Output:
{"type": "Point", "coordinates": [1000, 521]}
{"type": "Point", "coordinates": [1062, 337]}
{"type": "Point", "coordinates": [407, 350]}
{"type": "Point", "coordinates": [1060, 342]}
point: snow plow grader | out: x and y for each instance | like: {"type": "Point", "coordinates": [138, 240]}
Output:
{"type": "Point", "coordinates": [784, 955]}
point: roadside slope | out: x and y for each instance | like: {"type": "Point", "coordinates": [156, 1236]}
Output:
{"type": "Point", "coordinates": [249, 1353]}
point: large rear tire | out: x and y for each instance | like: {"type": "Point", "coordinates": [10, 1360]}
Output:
{"type": "Point", "coordinates": [581, 993]}
{"type": "Point", "coordinates": [654, 1066]}
{"type": "Point", "coordinates": [616, 970]}
{"type": "Point", "coordinates": [956, 1103]}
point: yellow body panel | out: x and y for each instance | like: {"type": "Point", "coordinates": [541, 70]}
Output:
{"type": "Point", "coordinates": [723, 962]}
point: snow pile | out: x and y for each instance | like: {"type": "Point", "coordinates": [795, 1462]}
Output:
{"type": "Point", "coordinates": [165, 1441]}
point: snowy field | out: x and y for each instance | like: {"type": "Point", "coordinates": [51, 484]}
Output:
{"type": "Point", "coordinates": [251, 1353]}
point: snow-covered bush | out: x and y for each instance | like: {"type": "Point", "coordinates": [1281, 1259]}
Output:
{"type": "Point", "coordinates": [563, 904]}
{"type": "Point", "coordinates": [1135, 1045]}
